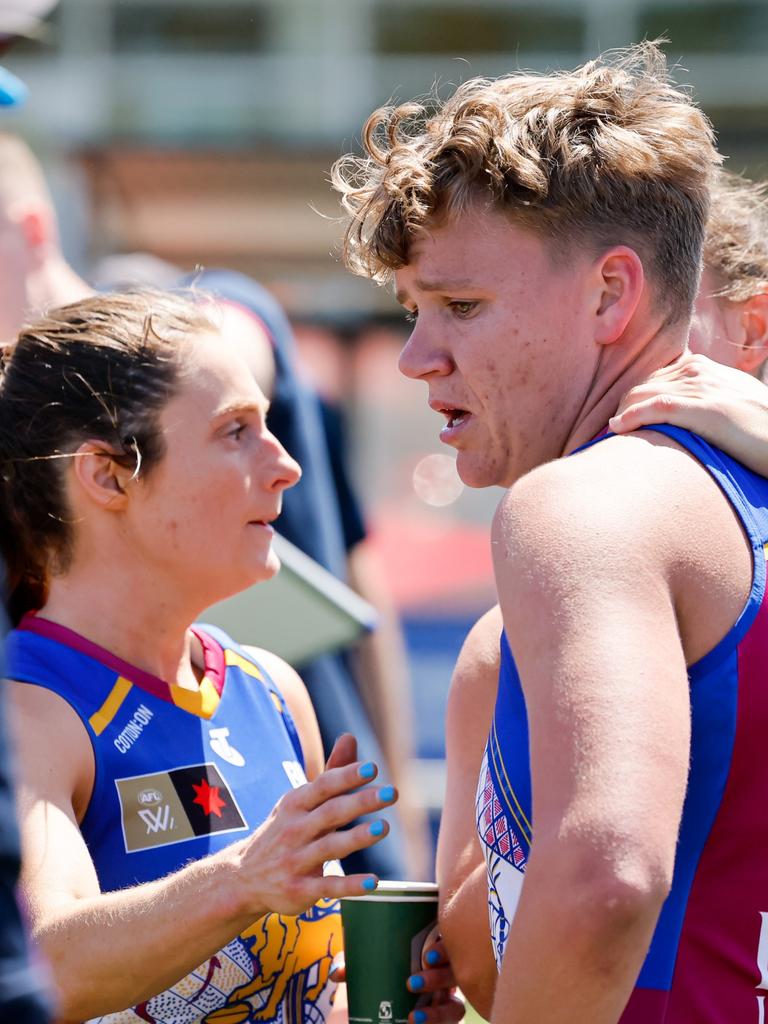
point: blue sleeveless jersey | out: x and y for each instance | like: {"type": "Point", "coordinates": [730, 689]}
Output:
{"type": "Point", "coordinates": [708, 961]}
{"type": "Point", "coordinates": [180, 774]}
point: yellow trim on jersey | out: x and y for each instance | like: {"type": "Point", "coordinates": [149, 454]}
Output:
{"type": "Point", "coordinates": [233, 658]}
{"type": "Point", "coordinates": [202, 702]}
{"type": "Point", "coordinates": [277, 702]}
{"type": "Point", "coordinates": [100, 719]}
{"type": "Point", "coordinates": [524, 825]}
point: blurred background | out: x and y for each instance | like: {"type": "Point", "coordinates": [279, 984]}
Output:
{"type": "Point", "coordinates": [202, 132]}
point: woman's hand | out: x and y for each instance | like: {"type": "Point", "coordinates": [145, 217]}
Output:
{"type": "Point", "coordinates": [436, 981]}
{"type": "Point", "coordinates": [280, 867]}
{"type": "Point", "coordinates": [727, 407]}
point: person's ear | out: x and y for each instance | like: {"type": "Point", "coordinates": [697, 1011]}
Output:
{"type": "Point", "coordinates": [101, 477]}
{"type": "Point", "coordinates": [754, 342]}
{"type": "Point", "coordinates": [35, 222]}
{"type": "Point", "coordinates": [36, 225]}
{"type": "Point", "coordinates": [618, 280]}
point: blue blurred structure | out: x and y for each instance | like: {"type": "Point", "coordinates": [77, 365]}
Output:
{"type": "Point", "coordinates": [433, 645]}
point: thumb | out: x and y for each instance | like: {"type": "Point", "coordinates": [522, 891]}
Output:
{"type": "Point", "coordinates": [344, 751]}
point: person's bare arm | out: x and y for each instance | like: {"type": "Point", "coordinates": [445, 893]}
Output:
{"type": "Point", "coordinates": [583, 566]}
{"type": "Point", "coordinates": [130, 938]}
{"type": "Point", "coordinates": [727, 407]}
{"type": "Point", "coordinates": [461, 871]}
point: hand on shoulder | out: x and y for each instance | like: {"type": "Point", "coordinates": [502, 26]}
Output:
{"type": "Point", "coordinates": [728, 407]}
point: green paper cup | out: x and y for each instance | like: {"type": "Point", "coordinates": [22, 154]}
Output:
{"type": "Point", "coordinates": [383, 937]}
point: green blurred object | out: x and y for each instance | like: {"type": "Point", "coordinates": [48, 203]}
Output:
{"type": "Point", "coordinates": [301, 613]}
{"type": "Point", "coordinates": [472, 1016]}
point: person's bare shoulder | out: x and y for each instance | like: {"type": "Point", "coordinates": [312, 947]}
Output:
{"type": "Point", "coordinates": [473, 685]}
{"type": "Point", "coordinates": [481, 647]}
{"type": "Point", "coordinates": [627, 507]}
{"type": "Point", "coordinates": [53, 752]}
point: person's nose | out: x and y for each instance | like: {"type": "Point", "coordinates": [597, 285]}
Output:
{"type": "Point", "coordinates": [283, 471]}
{"type": "Point", "coordinates": [424, 355]}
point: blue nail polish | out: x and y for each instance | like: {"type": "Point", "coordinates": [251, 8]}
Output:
{"type": "Point", "coordinates": [367, 770]}
{"type": "Point", "coordinates": [370, 884]}
{"type": "Point", "coordinates": [432, 957]}
{"type": "Point", "coordinates": [416, 983]}
{"type": "Point", "coordinates": [377, 828]}
{"type": "Point", "coordinates": [419, 1017]}
{"type": "Point", "coordinates": [387, 793]}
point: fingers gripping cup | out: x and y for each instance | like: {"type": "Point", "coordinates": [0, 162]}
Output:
{"type": "Point", "coordinates": [383, 938]}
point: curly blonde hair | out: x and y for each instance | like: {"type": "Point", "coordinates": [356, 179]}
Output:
{"type": "Point", "coordinates": [610, 153]}
{"type": "Point", "coordinates": [736, 243]}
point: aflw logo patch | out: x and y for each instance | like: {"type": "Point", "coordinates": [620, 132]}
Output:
{"type": "Point", "coordinates": [169, 807]}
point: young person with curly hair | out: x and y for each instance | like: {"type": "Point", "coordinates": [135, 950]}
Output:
{"type": "Point", "coordinates": [545, 233]}
{"type": "Point", "coordinates": [726, 405]}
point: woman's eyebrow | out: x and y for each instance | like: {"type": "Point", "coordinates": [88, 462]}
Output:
{"type": "Point", "coordinates": [242, 407]}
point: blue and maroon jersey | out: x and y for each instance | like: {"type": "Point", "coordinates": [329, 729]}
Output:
{"type": "Point", "coordinates": [180, 774]}
{"type": "Point", "coordinates": [708, 960]}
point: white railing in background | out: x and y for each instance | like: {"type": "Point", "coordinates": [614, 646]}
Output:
{"type": "Point", "coordinates": [317, 78]}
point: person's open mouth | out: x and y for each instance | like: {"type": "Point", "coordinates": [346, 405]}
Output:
{"type": "Point", "coordinates": [457, 420]}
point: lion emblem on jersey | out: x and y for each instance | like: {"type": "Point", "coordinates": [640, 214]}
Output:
{"type": "Point", "coordinates": [275, 972]}
{"type": "Point", "coordinates": [292, 958]}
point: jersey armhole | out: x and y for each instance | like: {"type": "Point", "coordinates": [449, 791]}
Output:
{"type": "Point", "coordinates": [713, 461]}
{"type": "Point", "coordinates": [97, 772]}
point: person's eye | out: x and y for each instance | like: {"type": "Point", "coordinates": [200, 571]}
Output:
{"type": "Point", "coordinates": [237, 430]}
{"type": "Point", "coordinates": [462, 309]}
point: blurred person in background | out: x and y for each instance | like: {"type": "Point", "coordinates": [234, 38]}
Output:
{"type": "Point", "coordinates": [21, 986]}
{"type": "Point", "coordinates": [622, 570]}
{"type": "Point", "coordinates": [708, 395]}
{"type": "Point", "coordinates": [322, 517]}
{"type": "Point", "coordinates": [34, 275]}
{"type": "Point", "coordinates": [730, 324]}
{"type": "Point", "coordinates": [730, 315]}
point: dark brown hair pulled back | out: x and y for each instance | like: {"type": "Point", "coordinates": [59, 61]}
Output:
{"type": "Point", "coordinates": [101, 370]}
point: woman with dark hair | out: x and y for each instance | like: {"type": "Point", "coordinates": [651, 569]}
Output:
{"type": "Point", "coordinates": [174, 850]}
